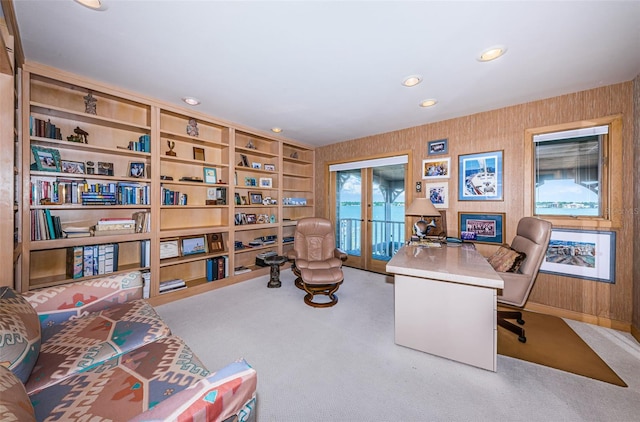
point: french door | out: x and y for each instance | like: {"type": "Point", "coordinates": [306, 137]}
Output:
{"type": "Point", "coordinates": [369, 210]}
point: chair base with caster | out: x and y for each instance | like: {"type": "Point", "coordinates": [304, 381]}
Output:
{"type": "Point", "coordinates": [321, 282]}
{"type": "Point", "coordinates": [503, 316]}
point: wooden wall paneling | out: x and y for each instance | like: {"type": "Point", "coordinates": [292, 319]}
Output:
{"type": "Point", "coordinates": [504, 129]}
{"type": "Point", "coordinates": [635, 324]}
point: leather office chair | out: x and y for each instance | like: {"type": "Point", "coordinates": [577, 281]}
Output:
{"type": "Point", "coordinates": [532, 238]}
{"type": "Point", "coordinates": [316, 260]}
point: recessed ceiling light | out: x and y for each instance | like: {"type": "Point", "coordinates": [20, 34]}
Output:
{"type": "Point", "coordinates": [412, 80]}
{"type": "Point", "coordinates": [492, 53]}
{"type": "Point", "coordinates": [276, 129]}
{"type": "Point", "coordinates": [191, 101]}
{"type": "Point", "coordinates": [428, 103]}
{"type": "Point", "coordinates": [92, 4]}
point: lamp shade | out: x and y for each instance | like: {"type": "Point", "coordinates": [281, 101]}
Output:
{"type": "Point", "coordinates": [422, 207]}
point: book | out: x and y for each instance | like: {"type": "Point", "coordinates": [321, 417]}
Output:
{"type": "Point", "coordinates": [75, 262]}
{"type": "Point", "coordinates": [116, 221]}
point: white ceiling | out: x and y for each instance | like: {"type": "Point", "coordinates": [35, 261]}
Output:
{"type": "Point", "coordinates": [331, 71]}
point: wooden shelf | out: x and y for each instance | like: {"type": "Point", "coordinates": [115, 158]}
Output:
{"type": "Point", "coordinates": [56, 143]}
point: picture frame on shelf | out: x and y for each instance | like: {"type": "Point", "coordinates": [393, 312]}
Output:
{"type": "Point", "coordinates": [243, 200]}
{"type": "Point", "coordinates": [438, 147]}
{"type": "Point", "coordinates": [251, 219]}
{"type": "Point", "coordinates": [210, 175]}
{"type": "Point", "coordinates": [244, 161]}
{"type": "Point", "coordinates": [75, 167]}
{"type": "Point", "coordinates": [216, 242]}
{"type": "Point", "coordinates": [587, 254]}
{"type": "Point", "coordinates": [256, 166]}
{"type": "Point", "coordinates": [270, 167]}
{"type": "Point", "coordinates": [438, 193]}
{"type": "Point", "coordinates": [488, 227]}
{"type": "Point", "coordinates": [255, 197]}
{"type": "Point", "coordinates": [136, 169]}
{"type": "Point", "coordinates": [193, 245]}
{"type": "Point", "coordinates": [436, 168]}
{"type": "Point", "coordinates": [480, 176]}
{"type": "Point", "coordinates": [46, 159]}
{"type": "Point", "coordinates": [250, 181]}
{"type": "Point", "coordinates": [105, 168]}
{"type": "Point", "coordinates": [169, 249]}
{"type": "Point", "coordinates": [198, 153]}
{"type": "Point", "coordinates": [266, 182]}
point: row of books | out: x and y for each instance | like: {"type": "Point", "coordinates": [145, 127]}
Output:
{"type": "Point", "coordinates": [45, 226]}
{"type": "Point", "coordinates": [142, 144]}
{"type": "Point", "coordinates": [217, 268]}
{"type": "Point", "coordinates": [170, 197]}
{"type": "Point", "coordinates": [38, 127]}
{"type": "Point", "coordinates": [89, 260]}
{"type": "Point", "coordinates": [72, 191]}
{"type": "Point", "coordinates": [172, 285]}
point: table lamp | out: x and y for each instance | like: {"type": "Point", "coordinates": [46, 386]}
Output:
{"type": "Point", "coordinates": [422, 207]}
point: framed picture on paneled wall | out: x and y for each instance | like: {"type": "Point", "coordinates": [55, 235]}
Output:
{"type": "Point", "coordinates": [480, 177]}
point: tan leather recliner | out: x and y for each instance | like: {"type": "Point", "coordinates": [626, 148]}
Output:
{"type": "Point", "coordinates": [317, 261]}
{"type": "Point", "coordinates": [532, 238]}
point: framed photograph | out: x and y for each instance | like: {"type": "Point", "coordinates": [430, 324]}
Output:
{"type": "Point", "coordinates": [243, 200]}
{"type": "Point", "coordinates": [136, 169]}
{"type": "Point", "coordinates": [198, 153]}
{"type": "Point", "coordinates": [488, 228]}
{"type": "Point", "coordinates": [480, 177]}
{"type": "Point", "coordinates": [46, 159]}
{"type": "Point", "coordinates": [210, 175]}
{"type": "Point", "coordinates": [255, 197]}
{"type": "Point", "coordinates": [250, 181]}
{"type": "Point", "coordinates": [256, 165]}
{"type": "Point", "coordinates": [251, 219]}
{"type": "Point", "coordinates": [169, 249]}
{"type": "Point", "coordinates": [438, 193]}
{"type": "Point", "coordinates": [105, 168]}
{"type": "Point", "coordinates": [244, 160]}
{"type": "Point", "coordinates": [266, 182]}
{"type": "Point", "coordinates": [216, 243]}
{"type": "Point", "coordinates": [436, 168]}
{"type": "Point", "coordinates": [587, 254]}
{"type": "Point", "coordinates": [270, 167]}
{"type": "Point", "coordinates": [440, 146]}
{"type": "Point", "coordinates": [76, 167]}
{"type": "Point", "coordinates": [193, 245]}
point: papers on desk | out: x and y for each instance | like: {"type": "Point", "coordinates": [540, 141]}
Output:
{"type": "Point", "coordinates": [425, 244]}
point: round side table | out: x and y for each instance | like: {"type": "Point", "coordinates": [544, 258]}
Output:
{"type": "Point", "coordinates": [275, 262]}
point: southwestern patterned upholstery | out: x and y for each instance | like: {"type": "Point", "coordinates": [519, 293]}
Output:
{"type": "Point", "coordinates": [107, 356]}
{"type": "Point", "coordinates": [19, 334]}
{"type": "Point", "coordinates": [14, 401]}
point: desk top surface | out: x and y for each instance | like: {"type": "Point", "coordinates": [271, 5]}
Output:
{"type": "Point", "coordinates": [463, 264]}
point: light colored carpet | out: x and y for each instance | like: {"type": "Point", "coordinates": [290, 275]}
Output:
{"type": "Point", "coordinates": [341, 364]}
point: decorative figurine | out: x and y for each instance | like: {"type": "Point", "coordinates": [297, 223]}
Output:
{"type": "Point", "coordinates": [90, 167]}
{"type": "Point", "coordinates": [80, 136]}
{"type": "Point", "coordinates": [294, 154]}
{"type": "Point", "coordinates": [90, 103]}
{"type": "Point", "coordinates": [171, 145]}
{"type": "Point", "coordinates": [250, 145]}
{"type": "Point", "coordinates": [192, 128]}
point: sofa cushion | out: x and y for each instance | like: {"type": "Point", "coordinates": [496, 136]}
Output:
{"type": "Point", "coordinates": [14, 401]}
{"type": "Point", "coordinates": [507, 259]}
{"type": "Point", "coordinates": [19, 333]}
{"type": "Point", "coordinates": [78, 344]}
{"type": "Point", "coordinates": [124, 386]}
{"type": "Point", "coordinates": [60, 303]}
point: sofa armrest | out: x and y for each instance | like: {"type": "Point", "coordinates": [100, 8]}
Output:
{"type": "Point", "coordinates": [61, 303]}
{"type": "Point", "coordinates": [291, 255]}
{"type": "Point", "coordinates": [228, 394]}
{"type": "Point", "coordinates": [340, 254]}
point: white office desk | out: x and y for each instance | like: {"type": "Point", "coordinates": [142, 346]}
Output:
{"type": "Point", "coordinates": [445, 303]}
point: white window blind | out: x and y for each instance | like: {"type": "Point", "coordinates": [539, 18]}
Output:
{"type": "Point", "coordinates": [574, 133]}
{"type": "Point", "coordinates": [376, 162]}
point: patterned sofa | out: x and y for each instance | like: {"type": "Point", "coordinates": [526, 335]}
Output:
{"type": "Point", "coordinates": [94, 350]}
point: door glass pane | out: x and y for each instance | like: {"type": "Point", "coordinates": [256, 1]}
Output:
{"type": "Point", "coordinates": [349, 211]}
{"type": "Point", "coordinates": [387, 226]}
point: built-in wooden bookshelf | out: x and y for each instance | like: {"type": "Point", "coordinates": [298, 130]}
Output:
{"type": "Point", "coordinates": [195, 168]}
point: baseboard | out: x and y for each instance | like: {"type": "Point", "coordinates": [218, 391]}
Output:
{"type": "Point", "coordinates": [635, 332]}
{"type": "Point", "coordinates": [579, 316]}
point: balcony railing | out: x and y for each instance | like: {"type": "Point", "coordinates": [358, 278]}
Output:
{"type": "Point", "coordinates": [387, 237]}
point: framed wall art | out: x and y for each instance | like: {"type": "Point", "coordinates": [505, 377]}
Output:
{"type": "Point", "coordinates": [438, 193]}
{"type": "Point", "coordinates": [193, 245]}
{"type": "Point", "coordinates": [587, 254]}
{"type": "Point", "coordinates": [265, 182]}
{"type": "Point", "coordinates": [438, 147]}
{"type": "Point", "coordinates": [255, 197]}
{"type": "Point", "coordinates": [438, 168]}
{"type": "Point", "coordinates": [480, 177]}
{"type": "Point", "coordinates": [488, 228]}
{"type": "Point", "coordinates": [210, 175]}
{"type": "Point", "coordinates": [76, 167]}
{"type": "Point", "coordinates": [198, 153]}
{"type": "Point", "coordinates": [136, 169]}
